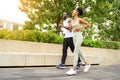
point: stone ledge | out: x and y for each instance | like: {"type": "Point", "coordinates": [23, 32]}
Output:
{"type": "Point", "coordinates": [29, 53]}
{"type": "Point", "coordinates": [37, 59]}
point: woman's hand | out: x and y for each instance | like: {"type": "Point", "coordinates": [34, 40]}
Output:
{"type": "Point", "coordinates": [78, 28]}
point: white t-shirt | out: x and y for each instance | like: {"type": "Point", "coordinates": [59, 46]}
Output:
{"type": "Point", "coordinates": [66, 31]}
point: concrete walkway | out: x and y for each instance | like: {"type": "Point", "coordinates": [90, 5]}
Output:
{"type": "Point", "coordinates": [51, 73]}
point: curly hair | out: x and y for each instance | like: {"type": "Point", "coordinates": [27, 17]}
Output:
{"type": "Point", "coordinates": [80, 11]}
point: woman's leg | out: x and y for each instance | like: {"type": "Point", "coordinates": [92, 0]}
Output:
{"type": "Point", "coordinates": [77, 42]}
{"type": "Point", "coordinates": [77, 38]}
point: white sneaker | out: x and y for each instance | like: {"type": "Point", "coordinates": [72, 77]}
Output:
{"type": "Point", "coordinates": [71, 72]}
{"type": "Point", "coordinates": [87, 67]}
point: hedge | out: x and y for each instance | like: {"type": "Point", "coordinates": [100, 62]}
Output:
{"type": "Point", "coordinates": [50, 37]}
{"type": "Point", "coordinates": [31, 35]}
{"type": "Point", "coordinates": [101, 44]}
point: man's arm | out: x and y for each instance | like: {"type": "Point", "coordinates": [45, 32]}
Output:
{"type": "Point", "coordinates": [66, 27]}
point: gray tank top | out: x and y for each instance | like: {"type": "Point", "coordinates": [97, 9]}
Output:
{"type": "Point", "coordinates": [74, 25]}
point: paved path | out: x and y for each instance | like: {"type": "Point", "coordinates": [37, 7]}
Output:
{"type": "Point", "coordinates": [51, 73]}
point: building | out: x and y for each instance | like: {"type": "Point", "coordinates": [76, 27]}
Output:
{"type": "Point", "coordinates": [9, 25]}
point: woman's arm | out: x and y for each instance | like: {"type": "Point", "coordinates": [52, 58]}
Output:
{"type": "Point", "coordinates": [85, 23]}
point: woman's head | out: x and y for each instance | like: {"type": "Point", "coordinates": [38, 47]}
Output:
{"type": "Point", "coordinates": [78, 11]}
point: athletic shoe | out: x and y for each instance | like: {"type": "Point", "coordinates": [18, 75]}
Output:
{"type": "Point", "coordinates": [71, 72]}
{"type": "Point", "coordinates": [78, 65]}
{"type": "Point", "coordinates": [87, 67]}
{"type": "Point", "coordinates": [60, 66]}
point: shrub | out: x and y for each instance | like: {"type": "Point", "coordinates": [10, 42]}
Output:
{"type": "Point", "coordinates": [14, 35]}
{"type": "Point", "coordinates": [112, 45]}
{"type": "Point", "coordinates": [91, 43]}
{"type": "Point", "coordinates": [59, 40]}
{"type": "Point", "coordinates": [3, 33]}
{"type": "Point", "coordinates": [101, 44]}
{"type": "Point", "coordinates": [29, 36]}
{"type": "Point", "coordinates": [51, 37]}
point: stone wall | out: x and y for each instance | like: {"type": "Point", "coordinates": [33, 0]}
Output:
{"type": "Point", "coordinates": [24, 53]}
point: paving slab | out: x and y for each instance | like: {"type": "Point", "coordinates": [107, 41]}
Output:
{"type": "Point", "coordinates": [96, 72]}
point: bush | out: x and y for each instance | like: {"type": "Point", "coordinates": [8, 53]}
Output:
{"type": "Point", "coordinates": [91, 43]}
{"type": "Point", "coordinates": [112, 45]}
{"type": "Point", "coordinates": [3, 33]}
{"type": "Point", "coordinates": [51, 37]}
{"type": "Point", "coordinates": [101, 44]}
{"type": "Point", "coordinates": [31, 35]}
{"type": "Point", "coordinates": [14, 35]}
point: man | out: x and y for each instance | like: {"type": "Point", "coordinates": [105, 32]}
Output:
{"type": "Point", "coordinates": [67, 42]}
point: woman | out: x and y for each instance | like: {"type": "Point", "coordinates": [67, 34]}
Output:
{"type": "Point", "coordinates": [67, 41]}
{"type": "Point", "coordinates": [76, 25]}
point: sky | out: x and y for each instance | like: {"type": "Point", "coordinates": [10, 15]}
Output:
{"type": "Point", "coordinates": [9, 11]}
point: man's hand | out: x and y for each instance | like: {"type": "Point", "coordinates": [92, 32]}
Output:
{"type": "Point", "coordinates": [69, 20]}
{"type": "Point", "coordinates": [60, 25]}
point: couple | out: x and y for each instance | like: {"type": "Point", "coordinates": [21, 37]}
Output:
{"type": "Point", "coordinates": [72, 30]}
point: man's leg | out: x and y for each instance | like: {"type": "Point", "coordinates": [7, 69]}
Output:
{"type": "Point", "coordinates": [64, 51]}
{"type": "Point", "coordinates": [64, 54]}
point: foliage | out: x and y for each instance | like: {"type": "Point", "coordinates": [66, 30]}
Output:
{"type": "Point", "coordinates": [3, 33]}
{"type": "Point", "coordinates": [51, 37]}
{"type": "Point", "coordinates": [29, 25]}
{"type": "Point", "coordinates": [101, 44]}
{"type": "Point", "coordinates": [91, 43]}
{"type": "Point", "coordinates": [31, 35]}
{"type": "Point", "coordinates": [46, 11]}
{"type": "Point", "coordinates": [105, 14]}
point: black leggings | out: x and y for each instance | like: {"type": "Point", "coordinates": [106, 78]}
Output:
{"type": "Point", "coordinates": [67, 42]}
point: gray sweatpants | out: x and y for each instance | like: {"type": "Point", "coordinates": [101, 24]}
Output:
{"type": "Point", "coordinates": [77, 39]}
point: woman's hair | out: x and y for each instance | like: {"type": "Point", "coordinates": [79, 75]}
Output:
{"type": "Point", "coordinates": [79, 10]}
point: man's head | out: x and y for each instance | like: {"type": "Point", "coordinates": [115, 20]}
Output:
{"type": "Point", "coordinates": [65, 15]}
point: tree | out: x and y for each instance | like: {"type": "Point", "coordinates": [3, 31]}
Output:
{"type": "Point", "coordinates": [46, 11]}
{"type": "Point", "coordinates": [111, 18]}
{"type": "Point", "coordinates": [105, 14]}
